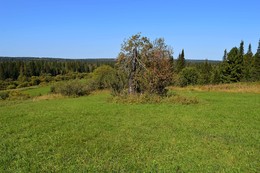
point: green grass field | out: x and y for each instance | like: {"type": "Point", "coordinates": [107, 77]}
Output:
{"type": "Point", "coordinates": [93, 134]}
{"type": "Point", "coordinates": [37, 91]}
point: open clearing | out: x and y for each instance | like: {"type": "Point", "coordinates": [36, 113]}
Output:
{"type": "Point", "coordinates": [220, 134]}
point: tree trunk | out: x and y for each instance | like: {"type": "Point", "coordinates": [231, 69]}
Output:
{"type": "Point", "coordinates": [131, 87]}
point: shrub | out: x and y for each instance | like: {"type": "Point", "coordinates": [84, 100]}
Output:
{"type": "Point", "coordinates": [4, 95]}
{"type": "Point", "coordinates": [71, 88]}
{"type": "Point", "coordinates": [12, 86]}
{"type": "Point", "coordinates": [13, 95]}
{"type": "Point", "coordinates": [188, 76]}
{"type": "Point", "coordinates": [4, 84]}
{"type": "Point", "coordinates": [175, 80]}
{"type": "Point", "coordinates": [58, 78]}
{"type": "Point", "coordinates": [81, 75]}
{"type": "Point", "coordinates": [102, 77]}
{"type": "Point", "coordinates": [45, 78]}
{"type": "Point", "coordinates": [24, 84]}
{"type": "Point", "coordinates": [17, 95]}
{"type": "Point", "coordinates": [118, 83]}
{"type": "Point", "coordinates": [35, 80]}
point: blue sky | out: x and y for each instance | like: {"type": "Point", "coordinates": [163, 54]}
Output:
{"type": "Point", "coordinates": [96, 28]}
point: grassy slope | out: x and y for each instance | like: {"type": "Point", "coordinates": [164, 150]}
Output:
{"type": "Point", "coordinates": [36, 91]}
{"type": "Point", "coordinates": [221, 134]}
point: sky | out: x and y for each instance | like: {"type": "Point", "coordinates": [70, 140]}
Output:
{"type": "Point", "coordinates": [97, 28]}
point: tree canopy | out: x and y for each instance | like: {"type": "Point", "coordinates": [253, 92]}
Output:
{"type": "Point", "coordinates": [147, 65]}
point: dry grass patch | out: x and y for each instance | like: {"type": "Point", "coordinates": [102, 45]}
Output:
{"type": "Point", "coordinates": [235, 88]}
{"type": "Point", "coordinates": [48, 97]}
{"type": "Point", "coordinates": [154, 99]}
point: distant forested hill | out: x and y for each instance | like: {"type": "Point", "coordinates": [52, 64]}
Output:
{"type": "Point", "coordinates": [12, 67]}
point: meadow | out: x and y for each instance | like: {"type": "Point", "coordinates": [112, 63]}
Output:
{"type": "Point", "coordinates": [93, 134]}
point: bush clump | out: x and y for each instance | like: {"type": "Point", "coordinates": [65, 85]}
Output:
{"type": "Point", "coordinates": [18, 95]}
{"type": "Point", "coordinates": [13, 95]}
{"type": "Point", "coordinates": [12, 86]}
{"type": "Point", "coordinates": [24, 84]}
{"type": "Point", "coordinates": [4, 95]}
{"type": "Point", "coordinates": [71, 88]}
{"type": "Point", "coordinates": [102, 77]}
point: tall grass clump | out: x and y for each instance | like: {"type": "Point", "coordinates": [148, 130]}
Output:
{"type": "Point", "coordinates": [146, 98]}
{"type": "Point", "coordinates": [4, 95]}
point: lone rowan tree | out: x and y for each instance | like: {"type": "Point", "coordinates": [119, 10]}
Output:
{"type": "Point", "coordinates": [147, 65]}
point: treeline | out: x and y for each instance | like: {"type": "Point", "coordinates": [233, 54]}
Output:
{"type": "Point", "coordinates": [236, 66]}
{"type": "Point", "coordinates": [12, 68]}
{"type": "Point", "coordinates": [240, 66]}
{"type": "Point", "coordinates": [22, 71]}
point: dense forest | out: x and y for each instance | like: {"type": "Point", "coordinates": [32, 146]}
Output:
{"type": "Point", "coordinates": [12, 68]}
{"type": "Point", "coordinates": [236, 66]}
{"type": "Point", "coordinates": [27, 71]}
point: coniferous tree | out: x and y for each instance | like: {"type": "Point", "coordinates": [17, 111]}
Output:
{"type": "Point", "coordinates": [257, 67]}
{"type": "Point", "coordinates": [258, 49]}
{"type": "Point", "coordinates": [11, 67]}
{"type": "Point", "coordinates": [225, 55]}
{"type": "Point", "coordinates": [249, 51]}
{"type": "Point", "coordinates": [215, 78]}
{"type": "Point", "coordinates": [240, 59]}
{"type": "Point", "coordinates": [2, 75]}
{"type": "Point", "coordinates": [232, 68]}
{"type": "Point", "coordinates": [256, 64]}
{"type": "Point", "coordinates": [180, 64]}
{"type": "Point", "coordinates": [241, 48]}
{"type": "Point", "coordinates": [248, 67]}
{"type": "Point", "coordinates": [205, 73]}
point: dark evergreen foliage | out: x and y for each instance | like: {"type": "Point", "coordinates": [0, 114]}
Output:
{"type": "Point", "coordinates": [180, 63]}
{"type": "Point", "coordinates": [258, 49]}
{"type": "Point", "coordinates": [189, 76]}
{"type": "Point", "coordinates": [232, 67]}
{"type": "Point", "coordinates": [241, 48]}
{"type": "Point", "coordinates": [15, 68]}
{"type": "Point", "coordinates": [256, 67]}
{"type": "Point", "coordinates": [225, 55]}
{"type": "Point", "coordinates": [205, 70]}
{"type": "Point", "coordinates": [248, 65]}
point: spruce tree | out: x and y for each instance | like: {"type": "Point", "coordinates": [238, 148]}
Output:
{"type": "Point", "coordinates": [257, 67]}
{"type": "Point", "coordinates": [225, 55]}
{"type": "Point", "coordinates": [180, 61]}
{"type": "Point", "coordinates": [249, 51]}
{"type": "Point", "coordinates": [240, 59]}
{"type": "Point", "coordinates": [248, 65]}
{"type": "Point", "coordinates": [256, 64]}
{"type": "Point", "coordinates": [232, 68]}
{"type": "Point", "coordinates": [258, 49]}
{"type": "Point", "coordinates": [241, 48]}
